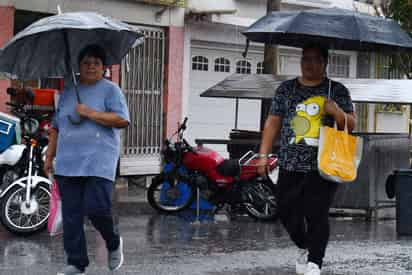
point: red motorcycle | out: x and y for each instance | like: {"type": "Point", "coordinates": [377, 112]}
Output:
{"type": "Point", "coordinates": [221, 181]}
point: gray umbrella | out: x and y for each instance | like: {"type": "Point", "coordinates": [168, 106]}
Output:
{"type": "Point", "coordinates": [43, 48]}
{"type": "Point", "coordinates": [50, 46]}
{"type": "Point", "coordinates": [335, 28]}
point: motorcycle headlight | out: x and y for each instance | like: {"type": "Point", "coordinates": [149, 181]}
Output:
{"type": "Point", "coordinates": [31, 125]}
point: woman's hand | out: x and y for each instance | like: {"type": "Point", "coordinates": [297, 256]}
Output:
{"type": "Point", "coordinates": [331, 108]}
{"type": "Point", "coordinates": [107, 119]}
{"type": "Point", "coordinates": [84, 110]}
{"type": "Point", "coordinates": [48, 166]}
{"type": "Point", "coordinates": [262, 166]}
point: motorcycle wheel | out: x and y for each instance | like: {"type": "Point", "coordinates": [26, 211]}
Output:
{"type": "Point", "coordinates": [20, 220]}
{"type": "Point", "coordinates": [262, 201]}
{"type": "Point", "coordinates": [169, 198]}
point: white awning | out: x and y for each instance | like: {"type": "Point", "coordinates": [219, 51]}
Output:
{"type": "Point", "coordinates": [309, 3]}
{"type": "Point", "coordinates": [379, 90]}
{"type": "Point", "coordinates": [260, 86]}
{"type": "Point", "coordinates": [211, 6]}
{"type": "Point", "coordinates": [233, 20]}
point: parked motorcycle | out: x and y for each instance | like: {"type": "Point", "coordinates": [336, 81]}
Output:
{"type": "Point", "coordinates": [25, 191]}
{"type": "Point", "coordinates": [232, 182]}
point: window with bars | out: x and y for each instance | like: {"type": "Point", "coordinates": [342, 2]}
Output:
{"type": "Point", "coordinates": [243, 67]}
{"type": "Point", "coordinates": [259, 68]}
{"type": "Point", "coordinates": [200, 63]}
{"type": "Point", "coordinates": [361, 111]}
{"type": "Point", "coordinates": [222, 65]}
{"type": "Point", "coordinates": [339, 65]}
{"type": "Point", "coordinates": [385, 68]}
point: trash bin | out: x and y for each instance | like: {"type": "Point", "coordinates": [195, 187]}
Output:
{"type": "Point", "coordinates": [403, 187]}
{"type": "Point", "coordinates": [237, 150]}
{"type": "Point", "coordinates": [243, 141]}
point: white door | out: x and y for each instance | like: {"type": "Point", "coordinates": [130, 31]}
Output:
{"type": "Point", "coordinates": [214, 118]}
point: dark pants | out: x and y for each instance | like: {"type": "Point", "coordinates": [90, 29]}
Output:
{"type": "Point", "coordinates": [86, 196]}
{"type": "Point", "coordinates": [304, 202]}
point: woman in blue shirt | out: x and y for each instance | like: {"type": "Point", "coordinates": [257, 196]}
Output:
{"type": "Point", "coordinates": [86, 159]}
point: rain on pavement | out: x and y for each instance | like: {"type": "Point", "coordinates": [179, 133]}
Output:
{"type": "Point", "coordinates": [156, 244]}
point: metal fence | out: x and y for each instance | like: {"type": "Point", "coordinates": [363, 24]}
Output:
{"type": "Point", "coordinates": [142, 82]}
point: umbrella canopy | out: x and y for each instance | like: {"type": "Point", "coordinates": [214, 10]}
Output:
{"type": "Point", "coordinates": [334, 28]}
{"type": "Point", "coordinates": [263, 86]}
{"type": "Point", "coordinates": [49, 47]}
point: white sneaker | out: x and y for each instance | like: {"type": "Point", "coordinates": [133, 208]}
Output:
{"type": "Point", "coordinates": [312, 269]}
{"type": "Point", "coordinates": [302, 261]}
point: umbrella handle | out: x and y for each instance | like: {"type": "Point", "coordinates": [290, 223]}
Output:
{"type": "Point", "coordinates": [72, 121]}
{"type": "Point", "coordinates": [69, 65]}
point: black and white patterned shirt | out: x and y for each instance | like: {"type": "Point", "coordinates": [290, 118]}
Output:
{"type": "Point", "coordinates": [302, 112]}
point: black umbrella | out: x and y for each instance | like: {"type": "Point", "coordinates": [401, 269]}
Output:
{"type": "Point", "coordinates": [332, 27]}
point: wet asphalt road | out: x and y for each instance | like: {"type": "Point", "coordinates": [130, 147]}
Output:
{"type": "Point", "coordinates": [174, 245]}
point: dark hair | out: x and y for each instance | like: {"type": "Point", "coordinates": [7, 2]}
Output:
{"type": "Point", "coordinates": [324, 51]}
{"type": "Point", "coordinates": [93, 50]}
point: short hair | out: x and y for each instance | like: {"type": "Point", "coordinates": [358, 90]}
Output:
{"type": "Point", "coordinates": [324, 51]}
{"type": "Point", "coordinates": [93, 50]}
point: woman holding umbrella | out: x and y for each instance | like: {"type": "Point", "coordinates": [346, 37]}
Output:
{"type": "Point", "coordinates": [298, 109]}
{"type": "Point", "coordinates": [298, 104]}
{"type": "Point", "coordinates": [86, 159]}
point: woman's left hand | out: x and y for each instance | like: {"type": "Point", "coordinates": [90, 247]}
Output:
{"type": "Point", "coordinates": [331, 108]}
{"type": "Point", "coordinates": [84, 110]}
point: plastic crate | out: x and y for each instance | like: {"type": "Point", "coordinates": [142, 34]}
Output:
{"type": "Point", "coordinates": [44, 97]}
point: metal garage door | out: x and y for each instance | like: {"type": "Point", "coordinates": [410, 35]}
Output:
{"type": "Point", "coordinates": [211, 117]}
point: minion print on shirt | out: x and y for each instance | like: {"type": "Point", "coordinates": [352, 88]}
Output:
{"type": "Point", "coordinates": [306, 124]}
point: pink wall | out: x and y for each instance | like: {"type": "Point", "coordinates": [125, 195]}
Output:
{"type": "Point", "coordinates": [172, 101]}
{"type": "Point", "coordinates": [6, 32]}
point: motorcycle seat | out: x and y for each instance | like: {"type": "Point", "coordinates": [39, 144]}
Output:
{"type": "Point", "coordinates": [229, 168]}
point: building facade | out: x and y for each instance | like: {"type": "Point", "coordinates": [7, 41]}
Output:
{"type": "Point", "coordinates": [150, 76]}
{"type": "Point", "coordinates": [213, 50]}
{"type": "Point", "coordinates": [190, 46]}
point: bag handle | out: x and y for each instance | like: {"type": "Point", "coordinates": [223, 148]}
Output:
{"type": "Point", "coordinates": [346, 120]}
{"type": "Point", "coordinates": [330, 88]}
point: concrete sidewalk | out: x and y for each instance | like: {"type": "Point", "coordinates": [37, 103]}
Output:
{"type": "Point", "coordinates": [130, 197]}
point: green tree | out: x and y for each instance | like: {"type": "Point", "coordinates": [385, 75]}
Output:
{"type": "Point", "coordinates": [401, 12]}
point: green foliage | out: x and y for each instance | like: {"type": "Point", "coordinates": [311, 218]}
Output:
{"type": "Point", "coordinates": [401, 12]}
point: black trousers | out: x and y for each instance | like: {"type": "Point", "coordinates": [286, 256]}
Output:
{"type": "Point", "coordinates": [86, 196]}
{"type": "Point", "coordinates": [304, 202]}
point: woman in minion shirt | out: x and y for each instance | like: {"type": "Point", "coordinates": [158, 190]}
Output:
{"type": "Point", "coordinates": [300, 106]}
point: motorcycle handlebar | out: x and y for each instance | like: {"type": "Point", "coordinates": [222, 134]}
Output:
{"type": "Point", "coordinates": [183, 125]}
{"type": "Point", "coordinates": [12, 104]}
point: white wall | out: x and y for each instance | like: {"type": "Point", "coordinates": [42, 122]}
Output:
{"type": "Point", "coordinates": [129, 11]}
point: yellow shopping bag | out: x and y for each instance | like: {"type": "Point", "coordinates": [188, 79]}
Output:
{"type": "Point", "coordinates": [339, 154]}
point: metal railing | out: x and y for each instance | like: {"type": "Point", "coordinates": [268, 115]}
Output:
{"type": "Point", "coordinates": [142, 73]}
